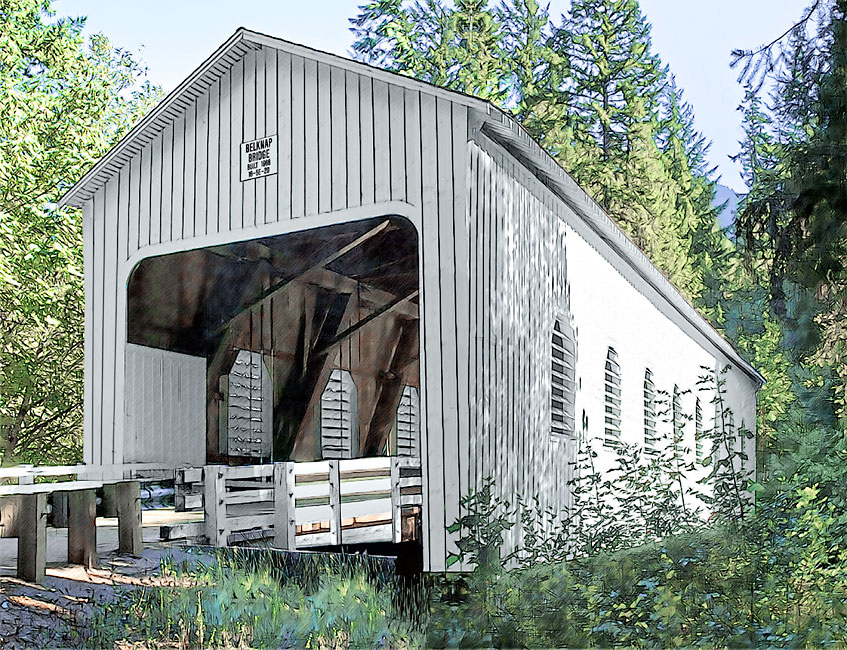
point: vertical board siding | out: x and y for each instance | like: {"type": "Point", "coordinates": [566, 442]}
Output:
{"type": "Point", "coordinates": [517, 253]}
{"type": "Point", "coordinates": [213, 139]}
{"type": "Point", "coordinates": [271, 127]}
{"type": "Point", "coordinates": [344, 140]}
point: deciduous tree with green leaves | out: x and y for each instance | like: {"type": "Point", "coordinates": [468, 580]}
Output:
{"type": "Point", "coordinates": [63, 102]}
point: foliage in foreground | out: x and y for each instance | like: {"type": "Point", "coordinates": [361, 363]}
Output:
{"type": "Point", "coordinates": [258, 600]}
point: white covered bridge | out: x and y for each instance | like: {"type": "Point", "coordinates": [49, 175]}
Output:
{"type": "Point", "coordinates": [351, 296]}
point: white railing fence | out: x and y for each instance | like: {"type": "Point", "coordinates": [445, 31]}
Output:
{"type": "Point", "coordinates": [301, 505]}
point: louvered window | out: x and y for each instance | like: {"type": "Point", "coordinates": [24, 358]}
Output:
{"type": "Point", "coordinates": [409, 423]}
{"type": "Point", "coordinates": [677, 418]}
{"type": "Point", "coordinates": [651, 438]}
{"type": "Point", "coordinates": [699, 444]}
{"type": "Point", "coordinates": [339, 417]}
{"type": "Point", "coordinates": [613, 399]}
{"type": "Point", "coordinates": [563, 383]}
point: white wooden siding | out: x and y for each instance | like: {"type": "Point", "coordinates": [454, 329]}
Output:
{"type": "Point", "coordinates": [165, 406]}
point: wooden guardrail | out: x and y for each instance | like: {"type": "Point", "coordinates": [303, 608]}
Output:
{"type": "Point", "coordinates": [302, 505]}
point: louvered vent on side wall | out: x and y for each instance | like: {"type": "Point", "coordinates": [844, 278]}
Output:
{"type": "Point", "coordinates": [563, 380]}
{"type": "Point", "coordinates": [651, 438]}
{"type": "Point", "coordinates": [339, 417]}
{"type": "Point", "coordinates": [409, 423]}
{"type": "Point", "coordinates": [612, 436]}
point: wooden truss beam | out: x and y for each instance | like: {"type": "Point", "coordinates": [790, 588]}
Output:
{"type": "Point", "coordinates": [281, 286]}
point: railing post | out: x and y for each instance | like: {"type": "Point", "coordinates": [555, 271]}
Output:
{"type": "Point", "coordinates": [214, 504]}
{"type": "Point", "coordinates": [396, 515]}
{"type": "Point", "coordinates": [32, 537]}
{"type": "Point", "coordinates": [284, 507]}
{"type": "Point", "coordinates": [128, 507]}
{"type": "Point", "coordinates": [82, 527]}
{"type": "Point", "coordinates": [26, 479]}
{"type": "Point", "coordinates": [335, 503]}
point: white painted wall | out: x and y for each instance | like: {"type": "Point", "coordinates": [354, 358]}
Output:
{"type": "Point", "coordinates": [165, 416]}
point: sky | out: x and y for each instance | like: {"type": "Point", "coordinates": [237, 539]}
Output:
{"type": "Point", "coordinates": [694, 38]}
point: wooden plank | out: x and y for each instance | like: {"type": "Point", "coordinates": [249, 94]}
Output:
{"type": "Point", "coordinates": [339, 177]}
{"type": "Point", "coordinates": [382, 144]}
{"type": "Point", "coordinates": [412, 124]}
{"type": "Point", "coordinates": [246, 522]}
{"type": "Point", "coordinates": [214, 504]}
{"type": "Point", "coordinates": [284, 515]}
{"type": "Point", "coordinates": [366, 137]}
{"type": "Point", "coordinates": [461, 299]}
{"type": "Point", "coordinates": [226, 153]}
{"type": "Point", "coordinates": [432, 458]}
{"type": "Point", "coordinates": [236, 135]}
{"type": "Point", "coordinates": [353, 146]}
{"type": "Point", "coordinates": [88, 335]}
{"type": "Point", "coordinates": [475, 308]}
{"type": "Point", "coordinates": [189, 179]}
{"type": "Point", "coordinates": [285, 133]}
{"type": "Point", "coordinates": [213, 158]}
{"type": "Point", "coordinates": [451, 460]}
{"type": "Point", "coordinates": [112, 286]}
{"type": "Point", "coordinates": [271, 211]}
{"type": "Point", "coordinates": [248, 471]}
{"type": "Point", "coordinates": [166, 213]}
{"type": "Point", "coordinates": [178, 182]}
{"type": "Point", "coordinates": [364, 464]}
{"type": "Point", "coordinates": [335, 502]}
{"type": "Point", "coordinates": [32, 537]}
{"type": "Point", "coordinates": [134, 206]}
{"type": "Point", "coordinates": [249, 133]}
{"type": "Point", "coordinates": [145, 193]}
{"type": "Point", "coordinates": [259, 131]}
{"type": "Point", "coordinates": [298, 137]}
{"type": "Point", "coordinates": [128, 497]}
{"type": "Point", "coordinates": [82, 529]}
{"type": "Point", "coordinates": [369, 534]}
{"type": "Point", "coordinates": [324, 134]}
{"type": "Point", "coordinates": [397, 142]}
{"type": "Point", "coordinates": [364, 485]}
{"type": "Point", "coordinates": [310, 133]}
{"type": "Point", "coordinates": [396, 518]}
{"type": "Point", "coordinates": [97, 322]}
{"type": "Point", "coordinates": [156, 153]}
{"type": "Point", "coordinates": [201, 161]}
{"type": "Point", "coordinates": [250, 496]}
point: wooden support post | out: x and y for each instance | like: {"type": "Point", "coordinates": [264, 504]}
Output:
{"type": "Point", "coordinates": [335, 503]}
{"type": "Point", "coordinates": [285, 523]}
{"type": "Point", "coordinates": [60, 509]}
{"type": "Point", "coordinates": [32, 537]}
{"type": "Point", "coordinates": [214, 504]}
{"type": "Point", "coordinates": [128, 504]}
{"type": "Point", "coordinates": [396, 518]}
{"type": "Point", "coordinates": [82, 528]}
{"type": "Point", "coordinates": [108, 506]}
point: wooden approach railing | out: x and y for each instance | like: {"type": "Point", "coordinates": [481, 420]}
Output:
{"type": "Point", "coordinates": [31, 517]}
{"type": "Point", "coordinates": [302, 505]}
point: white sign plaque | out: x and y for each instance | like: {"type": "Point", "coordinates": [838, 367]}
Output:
{"type": "Point", "coordinates": [259, 158]}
